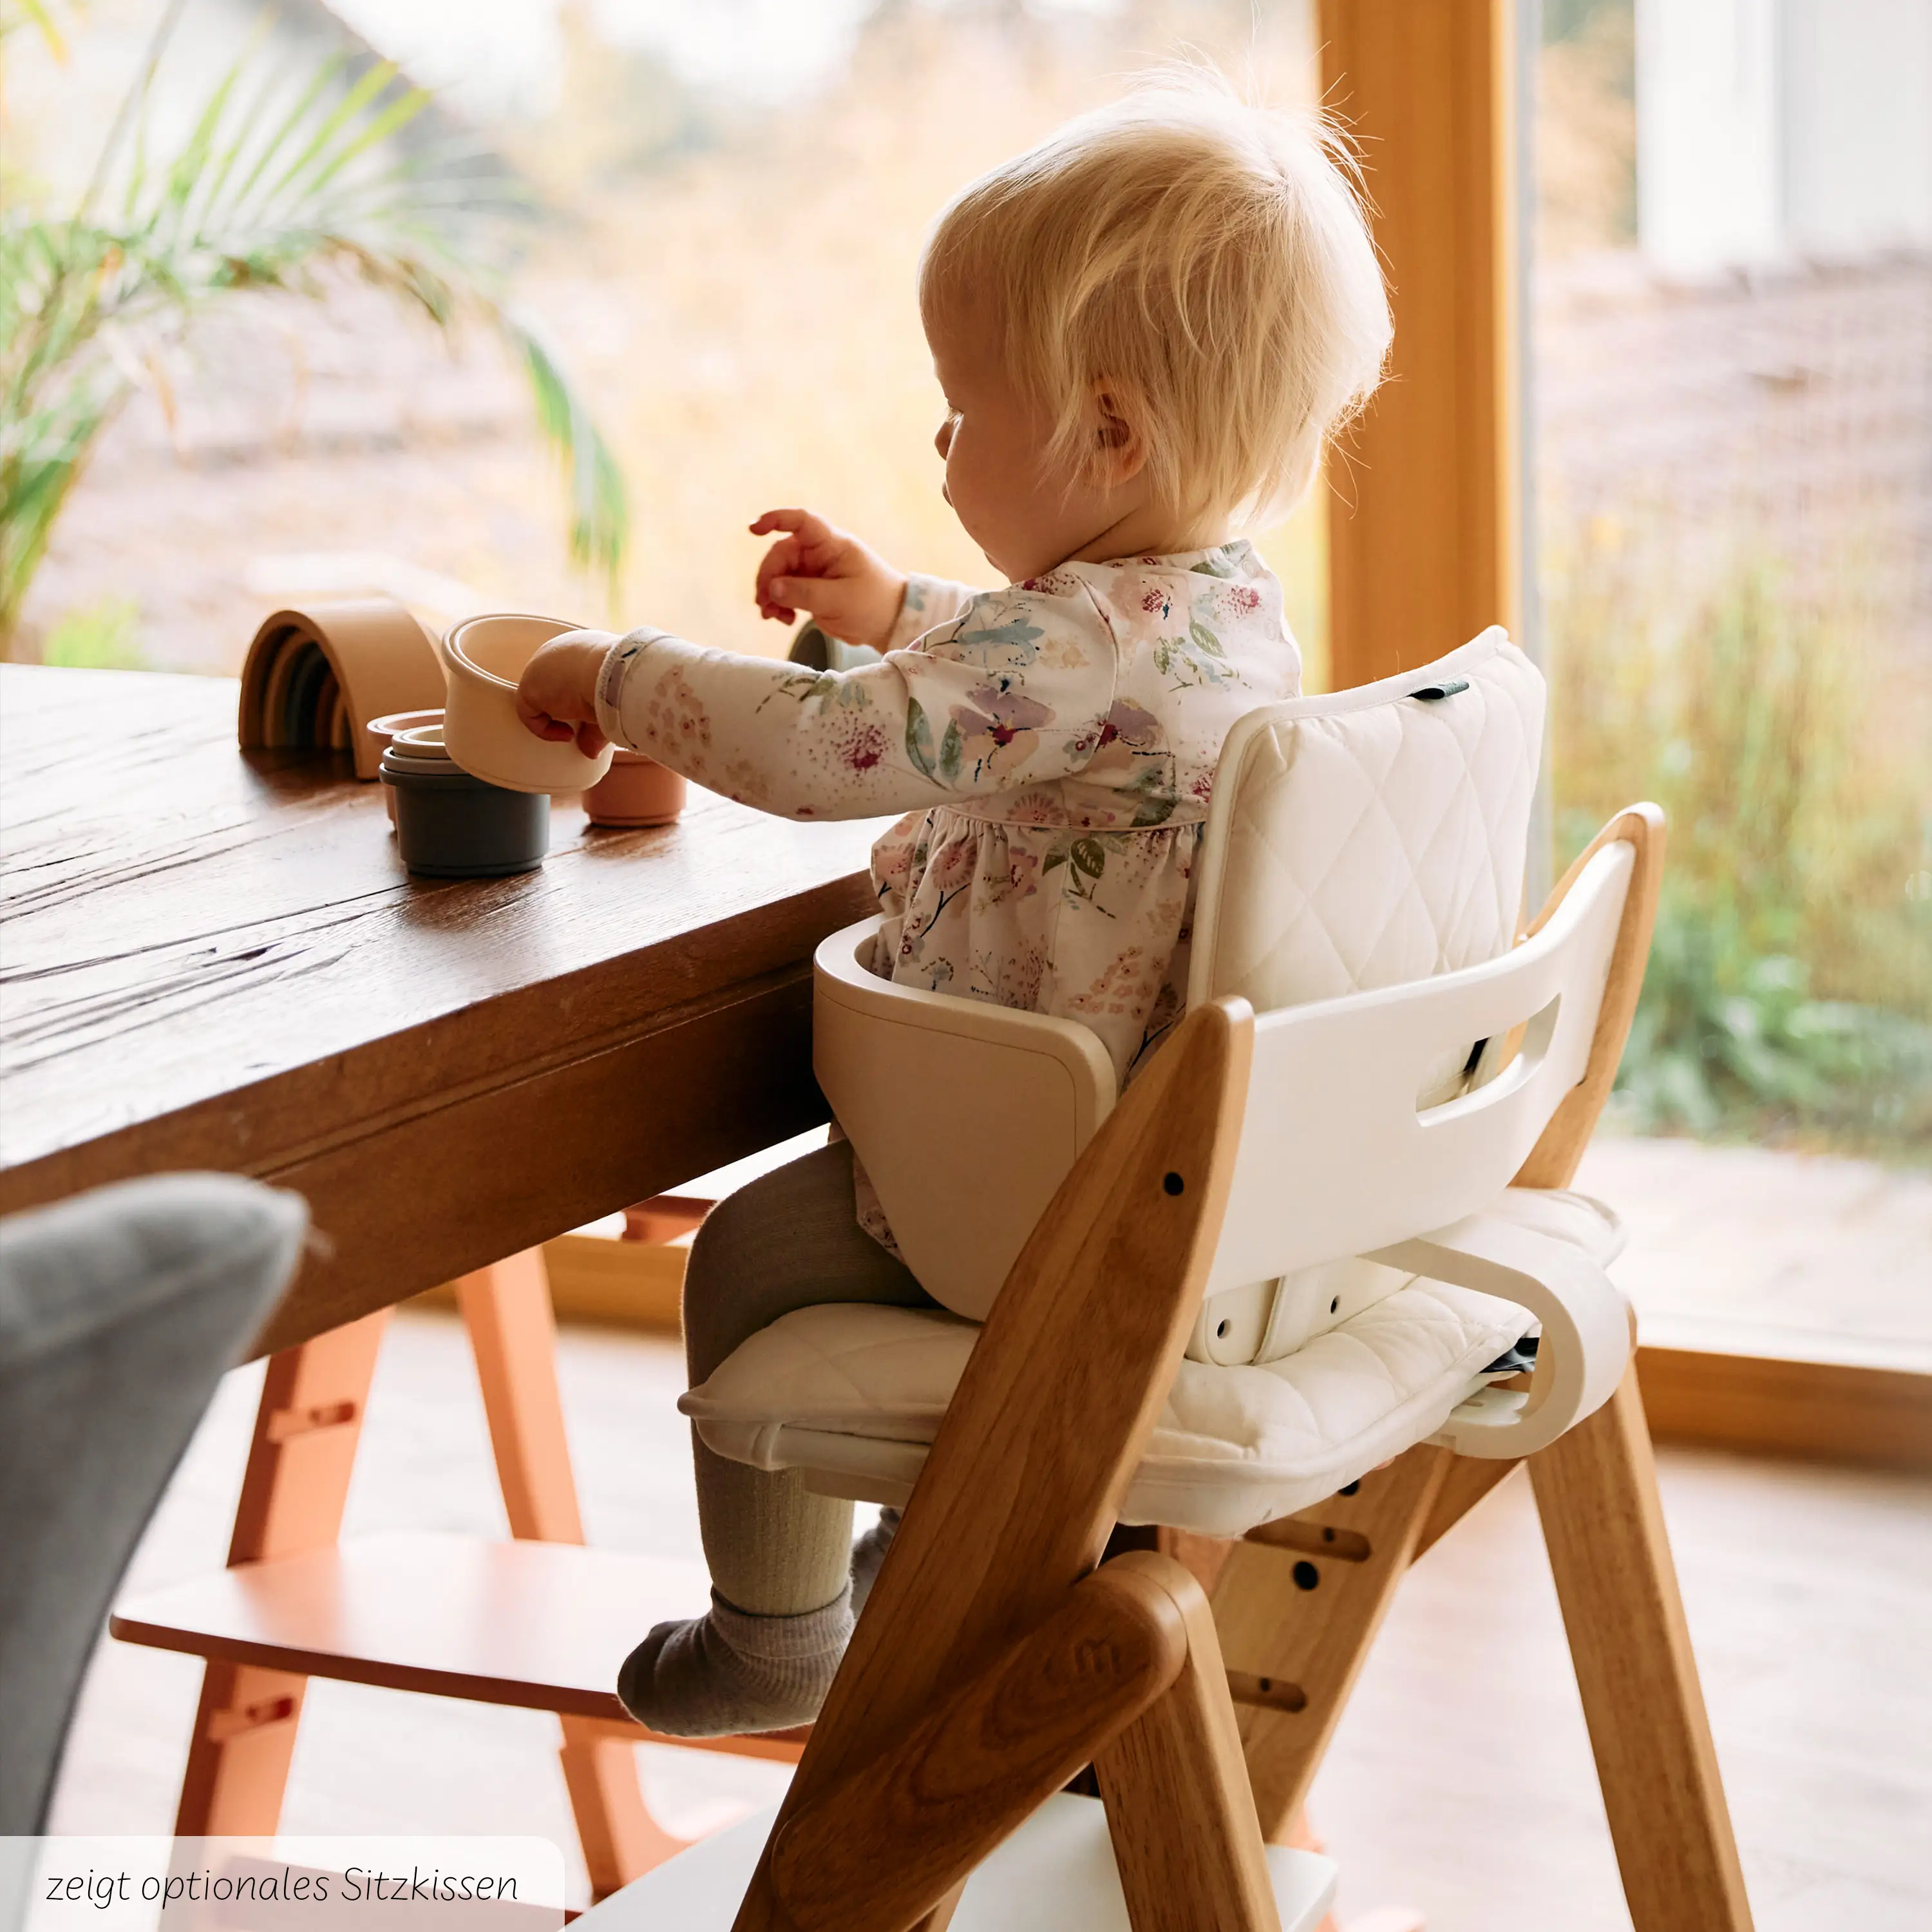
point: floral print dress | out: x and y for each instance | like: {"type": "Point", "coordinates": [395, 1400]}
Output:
{"type": "Point", "coordinates": [1052, 745]}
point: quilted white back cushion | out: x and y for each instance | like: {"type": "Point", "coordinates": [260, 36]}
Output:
{"type": "Point", "coordinates": [1372, 838]}
{"type": "Point", "coordinates": [1365, 839]}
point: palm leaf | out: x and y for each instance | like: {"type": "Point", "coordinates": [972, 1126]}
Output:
{"type": "Point", "coordinates": [599, 510]}
{"type": "Point", "coordinates": [277, 178]}
{"type": "Point", "coordinates": [33, 14]}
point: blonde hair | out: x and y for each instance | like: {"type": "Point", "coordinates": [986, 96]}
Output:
{"type": "Point", "coordinates": [1210, 257]}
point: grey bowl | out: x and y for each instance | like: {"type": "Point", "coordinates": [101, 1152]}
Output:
{"type": "Point", "coordinates": [451, 826]}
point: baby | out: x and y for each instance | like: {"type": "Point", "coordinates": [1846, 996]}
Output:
{"type": "Point", "coordinates": [1145, 328]}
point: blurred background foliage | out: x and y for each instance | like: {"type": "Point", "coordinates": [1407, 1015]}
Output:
{"type": "Point", "coordinates": [1740, 658]}
{"type": "Point", "coordinates": [284, 170]}
{"type": "Point", "coordinates": [1789, 988]}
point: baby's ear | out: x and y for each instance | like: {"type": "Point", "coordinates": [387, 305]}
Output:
{"type": "Point", "coordinates": [1119, 449]}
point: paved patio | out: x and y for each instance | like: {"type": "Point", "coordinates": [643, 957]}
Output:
{"type": "Point", "coordinates": [1753, 1251]}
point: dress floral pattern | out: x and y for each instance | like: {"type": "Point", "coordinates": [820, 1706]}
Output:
{"type": "Point", "coordinates": [1051, 746]}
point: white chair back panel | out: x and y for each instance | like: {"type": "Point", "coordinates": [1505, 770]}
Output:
{"type": "Point", "coordinates": [1337, 1157]}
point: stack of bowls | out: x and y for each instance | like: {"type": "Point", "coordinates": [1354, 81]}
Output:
{"type": "Point", "coordinates": [452, 825]}
{"type": "Point", "coordinates": [382, 730]}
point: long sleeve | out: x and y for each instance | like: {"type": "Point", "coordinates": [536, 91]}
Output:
{"type": "Point", "coordinates": [1011, 688]}
{"type": "Point", "coordinates": [929, 601]}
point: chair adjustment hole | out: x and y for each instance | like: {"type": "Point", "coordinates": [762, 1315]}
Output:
{"type": "Point", "coordinates": [1174, 1183]}
{"type": "Point", "coordinates": [1335, 1306]}
{"type": "Point", "coordinates": [1306, 1576]}
{"type": "Point", "coordinates": [1220, 1328]}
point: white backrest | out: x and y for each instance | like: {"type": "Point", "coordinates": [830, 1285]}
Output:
{"type": "Point", "coordinates": [1371, 837]}
{"type": "Point", "coordinates": [1341, 1148]}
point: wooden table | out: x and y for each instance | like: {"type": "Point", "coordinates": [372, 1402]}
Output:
{"type": "Point", "coordinates": [214, 959]}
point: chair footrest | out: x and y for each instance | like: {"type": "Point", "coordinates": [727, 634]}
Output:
{"type": "Point", "coordinates": [541, 1626]}
{"type": "Point", "coordinates": [1056, 1873]}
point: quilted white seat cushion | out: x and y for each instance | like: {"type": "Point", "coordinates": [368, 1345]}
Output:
{"type": "Point", "coordinates": [855, 1392]}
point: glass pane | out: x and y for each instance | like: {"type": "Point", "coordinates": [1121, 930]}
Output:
{"type": "Point", "coordinates": [1733, 341]}
{"type": "Point", "coordinates": [728, 203]}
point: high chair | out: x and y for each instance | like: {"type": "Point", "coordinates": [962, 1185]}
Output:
{"type": "Point", "coordinates": [1268, 1299]}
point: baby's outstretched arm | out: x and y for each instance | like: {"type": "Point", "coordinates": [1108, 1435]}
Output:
{"type": "Point", "coordinates": [1014, 690]}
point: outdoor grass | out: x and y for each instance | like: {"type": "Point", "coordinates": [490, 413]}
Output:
{"type": "Point", "coordinates": [1789, 997]}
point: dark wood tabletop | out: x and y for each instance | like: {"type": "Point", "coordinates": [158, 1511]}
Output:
{"type": "Point", "coordinates": [211, 958]}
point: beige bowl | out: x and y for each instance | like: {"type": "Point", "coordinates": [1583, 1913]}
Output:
{"type": "Point", "coordinates": [482, 659]}
{"type": "Point", "coordinates": [382, 730]}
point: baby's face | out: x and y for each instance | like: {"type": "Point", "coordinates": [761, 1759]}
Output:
{"type": "Point", "coordinates": [1024, 514]}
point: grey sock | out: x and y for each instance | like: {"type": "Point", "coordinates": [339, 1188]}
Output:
{"type": "Point", "coordinates": [868, 1553]}
{"type": "Point", "coordinates": [728, 1672]}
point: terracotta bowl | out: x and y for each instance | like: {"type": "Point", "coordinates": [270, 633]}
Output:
{"type": "Point", "coordinates": [482, 659]}
{"type": "Point", "coordinates": [636, 791]}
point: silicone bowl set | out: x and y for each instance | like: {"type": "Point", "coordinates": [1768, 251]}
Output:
{"type": "Point", "coordinates": [469, 788]}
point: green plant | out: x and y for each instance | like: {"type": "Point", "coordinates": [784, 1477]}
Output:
{"type": "Point", "coordinates": [1790, 981]}
{"type": "Point", "coordinates": [279, 178]}
{"type": "Point", "coordinates": [1727, 1038]}
{"type": "Point", "coordinates": [96, 636]}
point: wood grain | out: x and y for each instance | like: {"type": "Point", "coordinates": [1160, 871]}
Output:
{"type": "Point", "coordinates": [1465, 1482]}
{"type": "Point", "coordinates": [1596, 1492]}
{"type": "Point", "coordinates": [1554, 1160]}
{"type": "Point", "coordinates": [308, 1422]}
{"type": "Point", "coordinates": [534, 1626]}
{"type": "Point", "coordinates": [1180, 1809]}
{"type": "Point", "coordinates": [214, 960]}
{"type": "Point", "coordinates": [1424, 540]}
{"type": "Point", "coordinates": [983, 1758]}
{"type": "Point", "coordinates": [1295, 1629]}
{"type": "Point", "coordinates": [1059, 1397]}
{"type": "Point", "coordinates": [512, 1329]}
{"type": "Point", "coordinates": [1838, 1411]}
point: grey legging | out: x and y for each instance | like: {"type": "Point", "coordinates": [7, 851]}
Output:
{"type": "Point", "coordinates": [790, 1240]}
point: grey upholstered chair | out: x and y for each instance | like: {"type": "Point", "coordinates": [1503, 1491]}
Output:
{"type": "Point", "coordinates": [119, 1310]}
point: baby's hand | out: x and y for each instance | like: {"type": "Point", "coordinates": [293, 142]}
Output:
{"type": "Point", "coordinates": [557, 696]}
{"type": "Point", "coordinates": [852, 593]}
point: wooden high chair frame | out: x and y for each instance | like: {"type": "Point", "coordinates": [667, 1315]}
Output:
{"type": "Point", "coordinates": [1298, 1602]}
{"type": "Point", "coordinates": [994, 1659]}
{"type": "Point", "coordinates": [1204, 1730]}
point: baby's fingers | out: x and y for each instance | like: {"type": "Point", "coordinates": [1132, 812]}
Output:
{"type": "Point", "coordinates": [539, 721]}
{"type": "Point", "coordinates": [779, 561]}
{"type": "Point", "coordinates": [804, 523]}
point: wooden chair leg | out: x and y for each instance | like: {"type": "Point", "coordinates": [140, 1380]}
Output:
{"type": "Point", "coordinates": [1596, 1491]}
{"type": "Point", "coordinates": [512, 1327]}
{"type": "Point", "coordinates": [1180, 1810]}
{"type": "Point", "coordinates": [300, 1460]}
{"type": "Point", "coordinates": [1298, 1605]}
